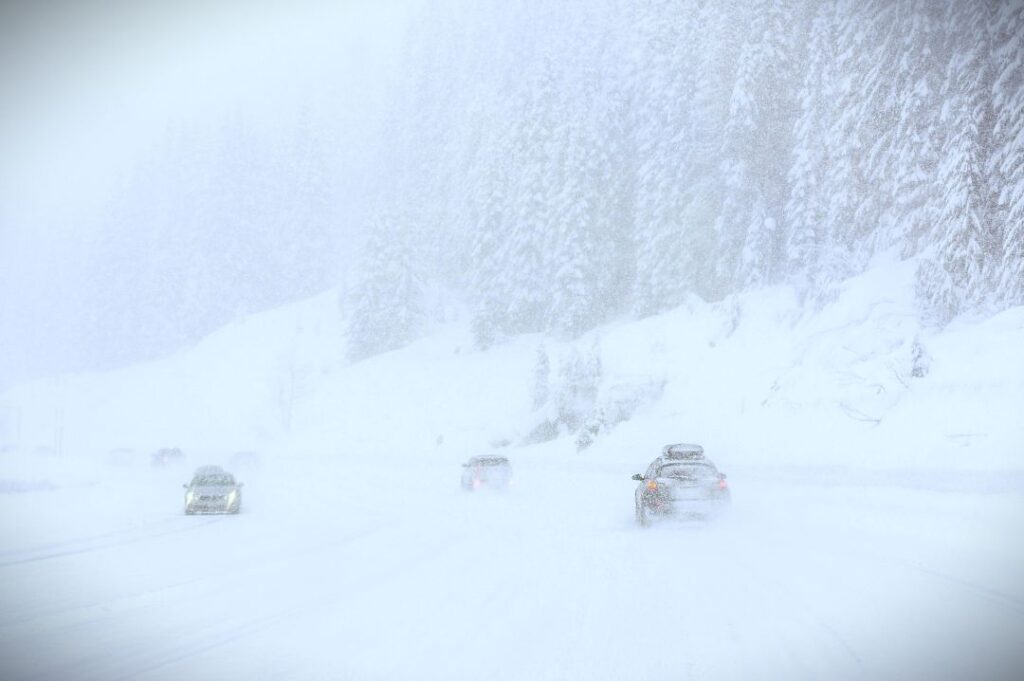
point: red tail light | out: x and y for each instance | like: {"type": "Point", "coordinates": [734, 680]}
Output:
{"type": "Point", "coordinates": [722, 484]}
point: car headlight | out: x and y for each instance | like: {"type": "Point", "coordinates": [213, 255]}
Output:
{"type": "Point", "coordinates": [189, 496]}
{"type": "Point", "coordinates": [231, 497]}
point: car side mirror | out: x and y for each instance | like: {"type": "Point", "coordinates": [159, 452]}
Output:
{"type": "Point", "coordinates": [241, 484]}
{"type": "Point", "coordinates": [184, 486]}
{"type": "Point", "coordinates": [638, 477]}
{"type": "Point", "coordinates": [721, 476]}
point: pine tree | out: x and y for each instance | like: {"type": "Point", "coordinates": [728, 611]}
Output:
{"type": "Point", "coordinates": [665, 152]}
{"type": "Point", "coordinates": [1007, 160]}
{"type": "Point", "coordinates": [489, 287]}
{"type": "Point", "coordinates": [963, 237]}
{"type": "Point", "coordinates": [574, 305]}
{"type": "Point", "coordinates": [807, 206]}
{"type": "Point", "coordinates": [541, 388]}
{"type": "Point", "coordinates": [528, 264]}
{"type": "Point", "coordinates": [755, 149]}
{"type": "Point", "coordinates": [304, 223]}
{"type": "Point", "coordinates": [847, 140]}
{"type": "Point", "coordinates": [387, 310]}
{"type": "Point", "coordinates": [918, 134]}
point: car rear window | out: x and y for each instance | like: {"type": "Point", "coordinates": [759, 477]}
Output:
{"type": "Point", "coordinates": [211, 480]}
{"type": "Point", "coordinates": [688, 471]}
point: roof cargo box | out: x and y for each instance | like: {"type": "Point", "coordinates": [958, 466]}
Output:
{"type": "Point", "coordinates": [683, 451]}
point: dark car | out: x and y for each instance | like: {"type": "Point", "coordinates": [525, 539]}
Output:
{"type": "Point", "coordinates": [680, 483]}
{"type": "Point", "coordinates": [167, 456]}
{"type": "Point", "coordinates": [493, 472]}
{"type": "Point", "coordinates": [212, 490]}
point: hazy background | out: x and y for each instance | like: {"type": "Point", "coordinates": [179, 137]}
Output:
{"type": "Point", "coordinates": [532, 166]}
{"type": "Point", "coordinates": [341, 249]}
{"type": "Point", "coordinates": [124, 129]}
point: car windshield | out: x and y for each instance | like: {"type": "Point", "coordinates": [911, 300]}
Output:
{"type": "Point", "coordinates": [214, 480]}
{"type": "Point", "coordinates": [688, 471]}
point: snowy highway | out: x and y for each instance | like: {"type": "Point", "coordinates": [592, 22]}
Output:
{"type": "Point", "coordinates": [364, 255]}
{"type": "Point", "coordinates": [342, 570]}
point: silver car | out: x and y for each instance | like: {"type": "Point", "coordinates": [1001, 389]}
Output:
{"type": "Point", "coordinates": [212, 490]}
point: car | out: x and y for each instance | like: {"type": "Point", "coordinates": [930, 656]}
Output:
{"type": "Point", "coordinates": [681, 483]}
{"type": "Point", "coordinates": [212, 490]}
{"type": "Point", "coordinates": [166, 456]}
{"type": "Point", "coordinates": [494, 472]}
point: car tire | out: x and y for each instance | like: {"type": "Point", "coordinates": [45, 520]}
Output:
{"type": "Point", "coordinates": [641, 516]}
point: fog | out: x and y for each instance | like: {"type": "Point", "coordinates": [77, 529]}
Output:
{"type": "Point", "coordinates": [97, 92]}
{"type": "Point", "coordinates": [89, 86]}
{"type": "Point", "coordinates": [338, 249]}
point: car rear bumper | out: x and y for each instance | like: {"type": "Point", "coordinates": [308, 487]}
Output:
{"type": "Point", "coordinates": [688, 508]}
{"type": "Point", "coordinates": [211, 508]}
{"type": "Point", "coordinates": [497, 483]}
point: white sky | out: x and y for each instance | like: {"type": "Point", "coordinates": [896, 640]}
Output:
{"type": "Point", "coordinates": [84, 87]}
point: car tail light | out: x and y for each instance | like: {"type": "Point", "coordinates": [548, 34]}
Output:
{"type": "Point", "coordinates": [652, 485]}
{"type": "Point", "coordinates": [722, 484]}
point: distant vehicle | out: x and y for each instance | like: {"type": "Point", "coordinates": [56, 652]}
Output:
{"type": "Point", "coordinates": [212, 490]}
{"type": "Point", "coordinates": [680, 483]}
{"type": "Point", "coordinates": [494, 472]}
{"type": "Point", "coordinates": [167, 455]}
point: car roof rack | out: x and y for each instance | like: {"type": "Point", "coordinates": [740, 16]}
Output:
{"type": "Point", "coordinates": [682, 450]}
{"type": "Point", "coordinates": [488, 459]}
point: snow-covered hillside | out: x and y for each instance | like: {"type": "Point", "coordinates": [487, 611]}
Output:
{"type": "Point", "coordinates": [861, 384]}
{"type": "Point", "coordinates": [339, 248]}
{"type": "Point", "coordinates": [875, 468]}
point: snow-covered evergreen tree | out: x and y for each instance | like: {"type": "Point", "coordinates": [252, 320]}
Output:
{"type": "Point", "coordinates": [575, 306]}
{"type": "Point", "coordinates": [849, 136]}
{"type": "Point", "coordinates": [955, 275]}
{"type": "Point", "coordinates": [1007, 157]}
{"type": "Point", "coordinates": [665, 153]}
{"type": "Point", "coordinates": [807, 233]}
{"type": "Point", "coordinates": [541, 388]}
{"type": "Point", "coordinates": [487, 247]}
{"type": "Point", "coordinates": [755, 150]}
{"type": "Point", "coordinates": [918, 138]}
{"type": "Point", "coordinates": [387, 306]}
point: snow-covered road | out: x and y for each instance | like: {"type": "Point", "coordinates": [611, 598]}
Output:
{"type": "Point", "coordinates": [343, 570]}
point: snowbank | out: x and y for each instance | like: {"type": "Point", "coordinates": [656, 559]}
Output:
{"type": "Point", "coordinates": [859, 385]}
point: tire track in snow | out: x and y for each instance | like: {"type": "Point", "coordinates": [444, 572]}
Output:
{"type": "Point", "coordinates": [142, 660]}
{"type": "Point", "coordinates": [96, 543]}
{"type": "Point", "coordinates": [760, 580]}
{"type": "Point", "coordinates": [794, 597]}
{"type": "Point", "coordinates": [992, 595]}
